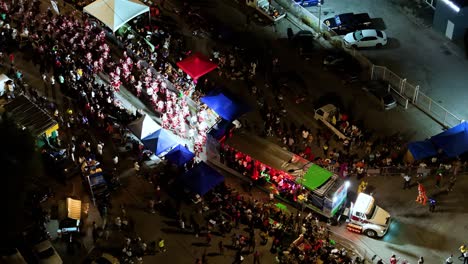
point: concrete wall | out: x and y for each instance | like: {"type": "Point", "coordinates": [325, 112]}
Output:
{"type": "Point", "coordinates": [444, 13]}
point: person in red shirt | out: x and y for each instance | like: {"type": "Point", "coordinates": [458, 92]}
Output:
{"type": "Point", "coordinates": [393, 260]}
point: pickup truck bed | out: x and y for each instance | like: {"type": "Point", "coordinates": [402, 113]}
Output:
{"type": "Point", "coordinates": [348, 22]}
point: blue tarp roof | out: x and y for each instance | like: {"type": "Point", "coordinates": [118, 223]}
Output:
{"type": "Point", "coordinates": [160, 141]}
{"type": "Point", "coordinates": [453, 141]}
{"type": "Point", "coordinates": [202, 178]}
{"type": "Point", "coordinates": [180, 155]}
{"type": "Point", "coordinates": [225, 105]}
{"type": "Point", "coordinates": [422, 149]}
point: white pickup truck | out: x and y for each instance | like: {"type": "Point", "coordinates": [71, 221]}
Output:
{"type": "Point", "coordinates": [325, 114]}
{"type": "Point", "coordinates": [365, 217]}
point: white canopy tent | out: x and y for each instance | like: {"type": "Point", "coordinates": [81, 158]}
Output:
{"type": "Point", "coordinates": [115, 13]}
{"type": "Point", "coordinates": [143, 126]}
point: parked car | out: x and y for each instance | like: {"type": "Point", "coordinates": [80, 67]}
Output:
{"type": "Point", "coordinates": [381, 91]}
{"type": "Point", "coordinates": [304, 41]}
{"type": "Point", "coordinates": [11, 256]}
{"type": "Point", "coordinates": [343, 64]}
{"type": "Point", "coordinates": [365, 38]}
{"type": "Point", "coordinates": [306, 3]}
{"type": "Point", "coordinates": [46, 253]}
{"type": "Point", "coordinates": [348, 22]}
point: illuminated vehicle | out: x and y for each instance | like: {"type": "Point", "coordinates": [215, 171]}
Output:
{"type": "Point", "coordinates": [306, 3]}
{"type": "Point", "coordinates": [367, 218]}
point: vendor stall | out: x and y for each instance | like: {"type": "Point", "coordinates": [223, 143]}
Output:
{"type": "Point", "coordinates": [30, 116]}
{"type": "Point", "coordinates": [269, 8]}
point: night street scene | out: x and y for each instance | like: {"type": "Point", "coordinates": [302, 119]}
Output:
{"type": "Point", "coordinates": [233, 131]}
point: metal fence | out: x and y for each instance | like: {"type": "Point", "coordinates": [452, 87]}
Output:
{"type": "Point", "coordinates": [415, 96]}
{"type": "Point", "coordinates": [409, 92]}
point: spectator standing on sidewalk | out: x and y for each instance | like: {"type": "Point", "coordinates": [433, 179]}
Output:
{"type": "Point", "coordinates": [452, 181]}
{"type": "Point", "coordinates": [136, 166]}
{"type": "Point", "coordinates": [115, 160]}
{"type": "Point", "coordinates": [438, 179]}
{"type": "Point", "coordinates": [407, 181]}
{"type": "Point", "coordinates": [421, 260]}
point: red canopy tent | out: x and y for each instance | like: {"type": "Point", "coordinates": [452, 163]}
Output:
{"type": "Point", "coordinates": [196, 65]}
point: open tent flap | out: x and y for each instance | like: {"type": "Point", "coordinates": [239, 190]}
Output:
{"type": "Point", "coordinates": [225, 105]}
{"type": "Point", "coordinates": [73, 209]}
{"type": "Point", "coordinates": [160, 141]}
{"type": "Point", "coordinates": [115, 13]}
{"type": "Point", "coordinates": [202, 178]}
{"type": "Point", "coordinates": [422, 149]}
{"type": "Point", "coordinates": [143, 126]}
{"type": "Point", "coordinates": [196, 65]}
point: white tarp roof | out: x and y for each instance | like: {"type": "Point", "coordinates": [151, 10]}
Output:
{"type": "Point", "coordinates": [115, 13]}
{"type": "Point", "coordinates": [144, 126]}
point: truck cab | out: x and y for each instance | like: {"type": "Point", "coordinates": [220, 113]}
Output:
{"type": "Point", "coordinates": [366, 217]}
{"type": "Point", "coordinates": [325, 114]}
{"type": "Point", "coordinates": [348, 22]}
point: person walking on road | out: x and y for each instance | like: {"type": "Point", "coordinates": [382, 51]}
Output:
{"type": "Point", "coordinates": [421, 260]}
{"type": "Point", "coordinates": [463, 249]}
{"type": "Point", "coordinates": [465, 257]}
{"type": "Point", "coordinates": [438, 179]}
{"type": "Point", "coordinates": [432, 204]}
{"type": "Point", "coordinates": [407, 181]}
{"type": "Point", "coordinates": [256, 257]}
{"type": "Point", "coordinates": [449, 260]}
{"type": "Point", "coordinates": [221, 248]}
{"type": "Point", "coordinates": [393, 259]}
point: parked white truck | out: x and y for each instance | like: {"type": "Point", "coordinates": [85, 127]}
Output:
{"type": "Point", "coordinates": [365, 217]}
{"type": "Point", "coordinates": [325, 114]}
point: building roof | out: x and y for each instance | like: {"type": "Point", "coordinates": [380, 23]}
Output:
{"type": "Point", "coordinates": [27, 114]}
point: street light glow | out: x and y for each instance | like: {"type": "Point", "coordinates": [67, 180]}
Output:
{"type": "Point", "coordinates": [452, 5]}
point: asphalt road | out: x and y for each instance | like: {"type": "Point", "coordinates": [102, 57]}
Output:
{"type": "Point", "coordinates": [415, 232]}
{"type": "Point", "coordinates": [414, 51]}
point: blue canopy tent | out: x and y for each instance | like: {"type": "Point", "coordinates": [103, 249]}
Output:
{"type": "Point", "coordinates": [179, 155]}
{"type": "Point", "coordinates": [453, 141]}
{"type": "Point", "coordinates": [202, 178]}
{"type": "Point", "coordinates": [225, 105]}
{"type": "Point", "coordinates": [422, 149]}
{"type": "Point", "coordinates": [160, 141]}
